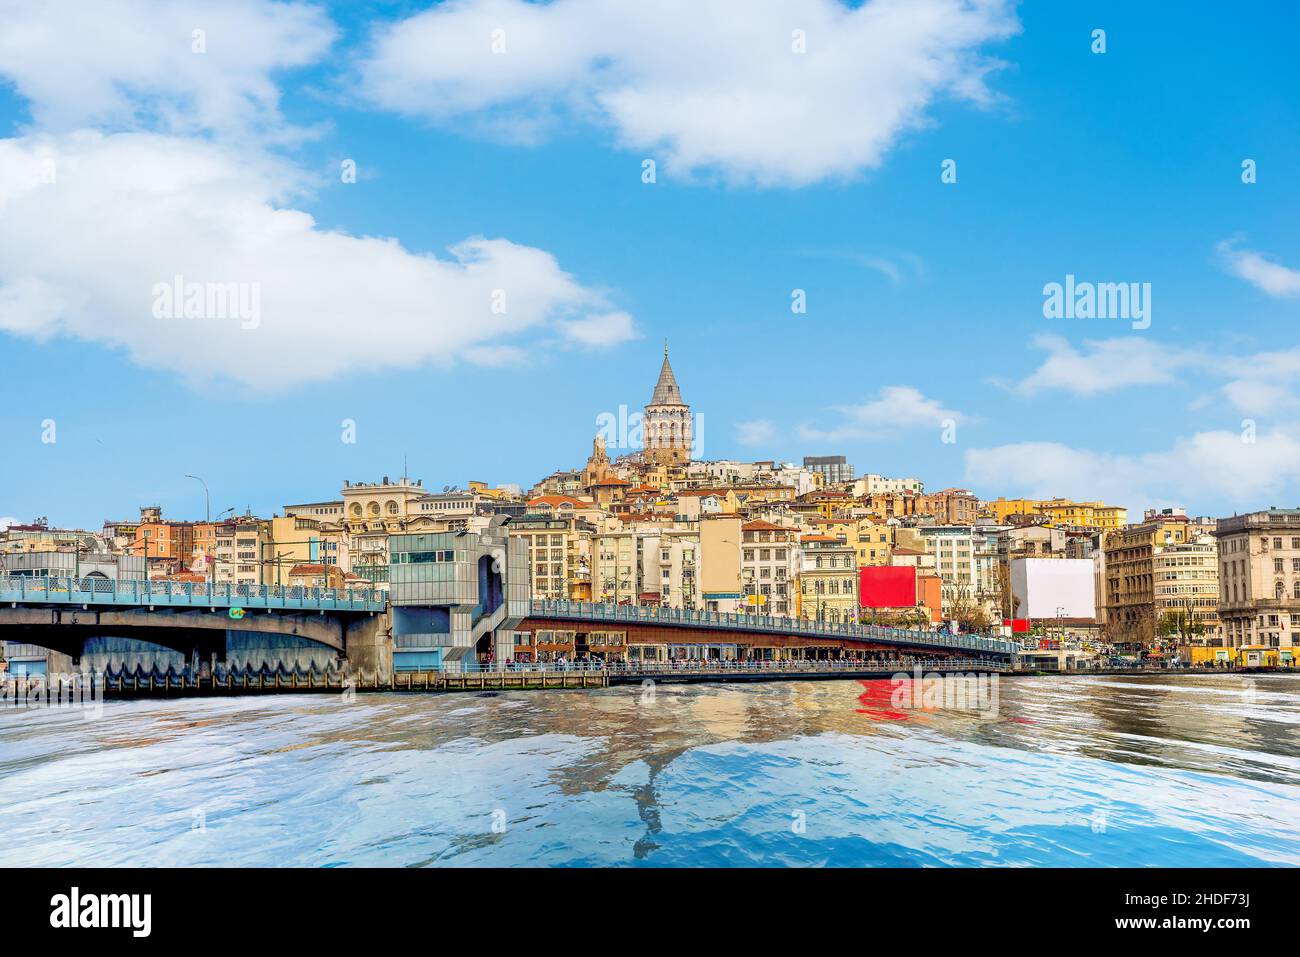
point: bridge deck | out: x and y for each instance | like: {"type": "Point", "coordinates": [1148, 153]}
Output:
{"type": "Point", "coordinates": [27, 590]}
{"type": "Point", "coordinates": [763, 624]}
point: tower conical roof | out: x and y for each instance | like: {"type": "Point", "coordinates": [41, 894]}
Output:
{"type": "Point", "coordinates": [666, 389]}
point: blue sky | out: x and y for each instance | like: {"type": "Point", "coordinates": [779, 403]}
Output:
{"type": "Point", "coordinates": [925, 299]}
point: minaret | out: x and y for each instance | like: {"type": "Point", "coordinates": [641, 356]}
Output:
{"type": "Point", "coordinates": [667, 422]}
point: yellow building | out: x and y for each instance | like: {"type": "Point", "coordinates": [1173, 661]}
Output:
{"type": "Point", "coordinates": [483, 490]}
{"type": "Point", "coordinates": [872, 541]}
{"type": "Point", "coordinates": [300, 540]}
{"type": "Point", "coordinates": [828, 580]}
{"type": "Point", "coordinates": [1060, 511]}
{"type": "Point", "coordinates": [559, 555]}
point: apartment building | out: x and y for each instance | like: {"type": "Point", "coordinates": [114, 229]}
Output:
{"type": "Point", "coordinates": [1130, 571]}
{"type": "Point", "coordinates": [1186, 590]}
{"type": "Point", "coordinates": [834, 469]}
{"type": "Point", "coordinates": [828, 579]}
{"type": "Point", "coordinates": [1058, 511]}
{"type": "Point", "coordinates": [1259, 581]}
{"type": "Point", "coordinates": [558, 552]}
{"type": "Point", "coordinates": [953, 548]}
{"type": "Point", "coordinates": [873, 484]}
{"type": "Point", "coordinates": [672, 561]}
{"type": "Point", "coordinates": [951, 506]}
{"type": "Point", "coordinates": [240, 555]}
{"type": "Point", "coordinates": [769, 568]}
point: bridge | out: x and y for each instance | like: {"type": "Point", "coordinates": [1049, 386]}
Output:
{"type": "Point", "coordinates": [650, 625]}
{"type": "Point", "coordinates": [208, 623]}
{"type": "Point", "coordinates": [192, 618]}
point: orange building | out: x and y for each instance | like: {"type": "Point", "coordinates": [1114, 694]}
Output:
{"type": "Point", "coordinates": [929, 592]}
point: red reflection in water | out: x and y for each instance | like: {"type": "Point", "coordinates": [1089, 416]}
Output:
{"type": "Point", "coordinates": [878, 698]}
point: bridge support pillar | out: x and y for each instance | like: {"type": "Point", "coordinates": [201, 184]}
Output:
{"type": "Point", "coordinates": [368, 643]}
{"type": "Point", "coordinates": [57, 663]}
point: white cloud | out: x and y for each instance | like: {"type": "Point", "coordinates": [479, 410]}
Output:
{"type": "Point", "coordinates": [707, 85]}
{"type": "Point", "coordinates": [130, 64]}
{"type": "Point", "coordinates": [81, 257]}
{"type": "Point", "coordinates": [1104, 365]}
{"type": "Point", "coordinates": [600, 330]}
{"type": "Point", "coordinates": [755, 432]}
{"type": "Point", "coordinates": [6, 521]}
{"type": "Point", "coordinates": [898, 408]}
{"type": "Point", "coordinates": [1256, 384]}
{"type": "Point", "coordinates": [1208, 466]}
{"type": "Point", "coordinates": [1262, 273]}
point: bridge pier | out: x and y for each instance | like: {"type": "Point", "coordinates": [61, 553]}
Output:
{"type": "Point", "coordinates": [369, 648]}
{"type": "Point", "coordinates": [58, 663]}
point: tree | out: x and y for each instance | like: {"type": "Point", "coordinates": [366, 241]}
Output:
{"type": "Point", "coordinates": [967, 612]}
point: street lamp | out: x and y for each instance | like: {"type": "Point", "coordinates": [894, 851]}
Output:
{"type": "Point", "coordinates": [207, 500]}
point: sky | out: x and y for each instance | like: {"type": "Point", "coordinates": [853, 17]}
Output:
{"type": "Point", "coordinates": [845, 219]}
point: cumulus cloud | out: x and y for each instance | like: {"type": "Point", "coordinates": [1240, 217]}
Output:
{"type": "Point", "coordinates": [1254, 383]}
{"type": "Point", "coordinates": [87, 255]}
{"type": "Point", "coordinates": [755, 432]}
{"type": "Point", "coordinates": [1104, 365]}
{"type": "Point", "coordinates": [133, 64]}
{"type": "Point", "coordinates": [1261, 272]}
{"type": "Point", "coordinates": [898, 408]}
{"type": "Point", "coordinates": [179, 184]}
{"type": "Point", "coordinates": [1207, 466]}
{"type": "Point", "coordinates": [708, 85]}
{"type": "Point", "coordinates": [600, 330]}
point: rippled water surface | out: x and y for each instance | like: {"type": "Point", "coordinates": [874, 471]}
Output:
{"type": "Point", "coordinates": [1176, 771]}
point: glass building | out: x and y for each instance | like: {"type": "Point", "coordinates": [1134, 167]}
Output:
{"type": "Point", "coordinates": [455, 596]}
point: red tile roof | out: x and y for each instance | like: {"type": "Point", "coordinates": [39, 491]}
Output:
{"type": "Point", "coordinates": [554, 500]}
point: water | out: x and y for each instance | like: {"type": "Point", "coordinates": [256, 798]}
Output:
{"type": "Point", "coordinates": [1172, 771]}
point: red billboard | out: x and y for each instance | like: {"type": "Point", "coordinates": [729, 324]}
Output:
{"type": "Point", "coordinates": [887, 586]}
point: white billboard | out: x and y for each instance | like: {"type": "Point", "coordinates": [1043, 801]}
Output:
{"type": "Point", "coordinates": [1053, 587]}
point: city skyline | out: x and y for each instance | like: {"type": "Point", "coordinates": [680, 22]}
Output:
{"type": "Point", "coordinates": [925, 299]}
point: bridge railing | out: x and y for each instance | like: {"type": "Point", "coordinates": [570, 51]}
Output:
{"type": "Point", "coordinates": [904, 665]}
{"type": "Point", "coordinates": [594, 611]}
{"type": "Point", "coordinates": [104, 591]}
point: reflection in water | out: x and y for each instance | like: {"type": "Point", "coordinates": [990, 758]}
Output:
{"type": "Point", "coordinates": [1176, 771]}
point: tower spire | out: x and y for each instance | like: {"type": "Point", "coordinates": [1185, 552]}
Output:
{"type": "Point", "coordinates": [666, 391]}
